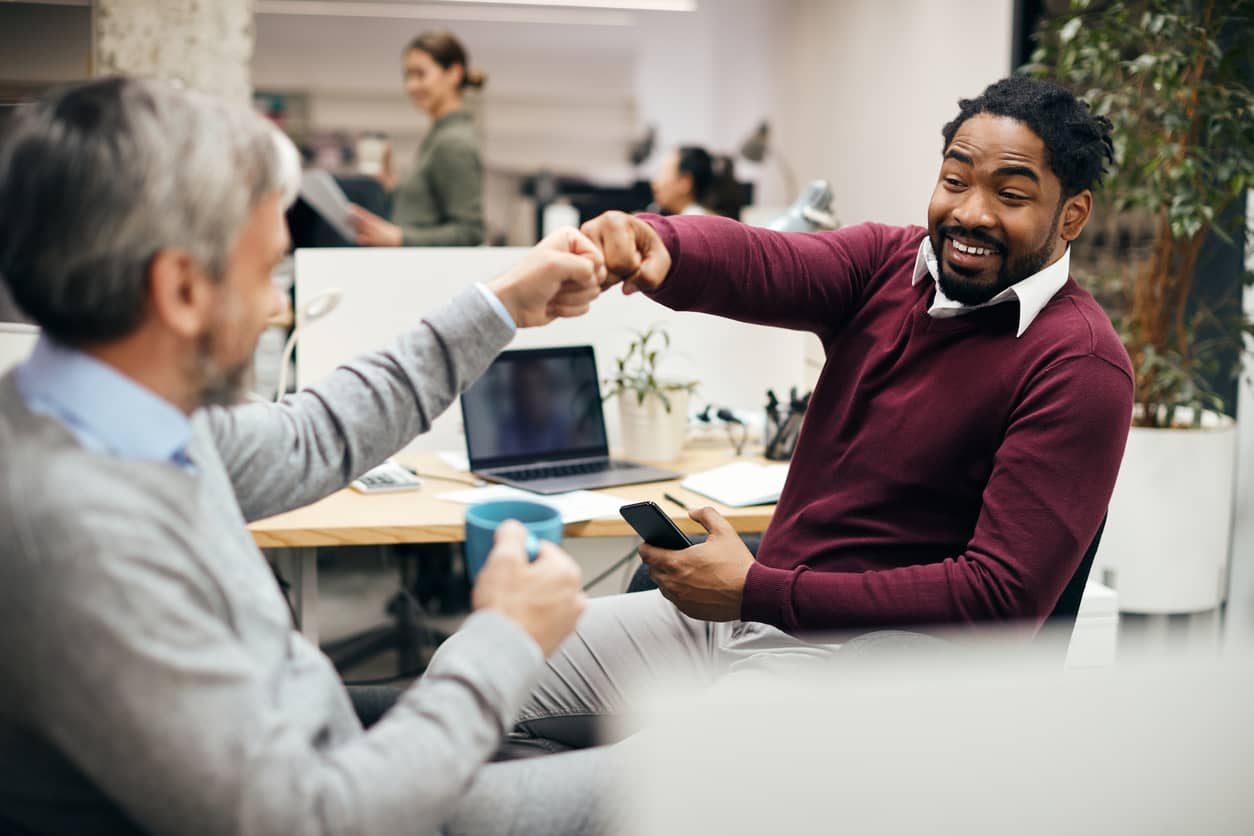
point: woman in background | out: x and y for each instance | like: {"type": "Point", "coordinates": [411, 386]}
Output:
{"type": "Point", "coordinates": [692, 181]}
{"type": "Point", "coordinates": [441, 203]}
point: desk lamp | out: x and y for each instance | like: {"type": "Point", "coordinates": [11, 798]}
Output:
{"type": "Point", "coordinates": [757, 148]}
{"type": "Point", "coordinates": [641, 148]}
{"type": "Point", "coordinates": [310, 312]}
{"type": "Point", "coordinates": [811, 212]}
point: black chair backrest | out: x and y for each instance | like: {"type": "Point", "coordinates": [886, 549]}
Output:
{"type": "Point", "coordinates": [1069, 602]}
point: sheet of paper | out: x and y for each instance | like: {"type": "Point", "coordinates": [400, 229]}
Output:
{"type": "Point", "coordinates": [455, 459]}
{"type": "Point", "coordinates": [319, 189]}
{"type": "Point", "coordinates": [740, 483]}
{"type": "Point", "coordinates": [575, 506]}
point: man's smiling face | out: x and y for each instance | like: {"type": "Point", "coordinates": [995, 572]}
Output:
{"type": "Point", "coordinates": [995, 214]}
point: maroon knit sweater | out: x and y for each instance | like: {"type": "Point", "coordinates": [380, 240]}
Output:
{"type": "Point", "coordinates": [947, 471]}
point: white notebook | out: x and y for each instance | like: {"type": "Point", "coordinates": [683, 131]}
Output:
{"type": "Point", "coordinates": [740, 483]}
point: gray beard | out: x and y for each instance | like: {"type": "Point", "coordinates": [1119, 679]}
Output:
{"type": "Point", "coordinates": [228, 389]}
{"type": "Point", "coordinates": [219, 387]}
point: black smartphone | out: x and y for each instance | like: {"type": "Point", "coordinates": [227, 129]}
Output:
{"type": "Point", "coordinates": [653, 526]}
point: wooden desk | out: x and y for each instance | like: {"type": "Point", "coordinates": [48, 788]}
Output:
{"type": "Point", "coordinates": [349, 518]}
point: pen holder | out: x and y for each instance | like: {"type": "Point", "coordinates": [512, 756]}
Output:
{"type": "Point", "coordinates": [784, 441]}
{"type": "Point", "coordinates": [783, 428]}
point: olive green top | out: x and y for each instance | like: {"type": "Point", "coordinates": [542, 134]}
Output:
{"type": "Point", "coordinates": [441, 203]}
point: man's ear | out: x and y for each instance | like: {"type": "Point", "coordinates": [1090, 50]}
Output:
{"type": "Point", "coordinates": [1075, 215]}
{"type": "Point", "coordinates": [179, 293]}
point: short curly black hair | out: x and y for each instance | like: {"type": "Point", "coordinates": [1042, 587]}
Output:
{"type": "Point", "coordinates": [1077, 141]}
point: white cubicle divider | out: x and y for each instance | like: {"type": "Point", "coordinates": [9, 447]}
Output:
{"type": "Point", "coordinates": [386, 292]}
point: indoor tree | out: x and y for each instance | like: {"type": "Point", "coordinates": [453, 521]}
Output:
{"type": "Point", "coordinates": [1174, 78]}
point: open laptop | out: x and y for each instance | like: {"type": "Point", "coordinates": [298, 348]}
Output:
{"type": "Point", "coordinates": [534, 421]}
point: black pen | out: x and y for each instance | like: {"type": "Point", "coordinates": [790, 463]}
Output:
{"type": "Point", "coordinates": [678, 502]}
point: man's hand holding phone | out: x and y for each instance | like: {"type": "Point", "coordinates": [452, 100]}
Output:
{"type": "Point", "coordinates": [706, 580]}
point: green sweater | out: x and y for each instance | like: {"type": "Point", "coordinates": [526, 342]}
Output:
{"type": "Point", "coordinates": [441, 204]}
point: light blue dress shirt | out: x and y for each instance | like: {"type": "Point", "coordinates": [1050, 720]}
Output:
{"type": "Point", "coordinates": [104, 409]}
{"type": "Point", "coordinates": [498, 306]}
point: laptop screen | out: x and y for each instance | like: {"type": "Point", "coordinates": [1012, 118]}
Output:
{"type": "Point", "coordinates": [535, 405]}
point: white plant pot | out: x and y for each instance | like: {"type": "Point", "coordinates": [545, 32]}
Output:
{"type": "Point", "coordinates": [1166, 544]}
{"type": "Point", "coordinates": [650, 433]}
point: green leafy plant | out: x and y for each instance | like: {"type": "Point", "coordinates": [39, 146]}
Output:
{"type": "Point", "coordinates": [637, 370]}
{"type": "Point", "coordinates": [1173, 76]}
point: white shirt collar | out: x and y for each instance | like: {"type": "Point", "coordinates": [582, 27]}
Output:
{"type": "Point", "coordinates": [1033, 293]}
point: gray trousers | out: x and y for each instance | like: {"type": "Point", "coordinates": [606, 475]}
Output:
{"type": "Point", "coordinates": [626, 643]}
{"type": "Point", "coordinates": [569, 794]}
{"type": "Point", "coordinates": [622, 645]}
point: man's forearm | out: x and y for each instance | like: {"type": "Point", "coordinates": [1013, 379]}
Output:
{"type": "Point", "coordinates": [313, 443]}
{"type": "Point", "coordinates": [721, 267]}
{"type": "Point", "coordinates": [960, 590]}
{"type": "Point", "coordinates": [1048, 491]}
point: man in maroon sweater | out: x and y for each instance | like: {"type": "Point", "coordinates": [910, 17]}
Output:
{"type": "Point", "coordinates": [961, 445]}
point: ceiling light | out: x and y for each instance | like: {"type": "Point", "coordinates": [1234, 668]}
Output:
{"type": "Point", "coordinates": [509, 13]}
{"type": "Point", "coordinates": [624, 5]}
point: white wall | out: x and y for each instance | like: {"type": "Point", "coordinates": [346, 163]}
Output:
{"type": "Point", "coordinates": [862, 91]}
{"type": "Point", "coordinates": [870, 84]}
{"type": "Point", "coordinates": [709, 78]}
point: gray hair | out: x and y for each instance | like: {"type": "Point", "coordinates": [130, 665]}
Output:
{"type": "Point", "coordinates": [95, 180]}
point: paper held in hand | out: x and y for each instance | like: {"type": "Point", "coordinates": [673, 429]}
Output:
{"type": "Point", "coordinates": [740, 483]}
{"type": "Point", "coordinates": [319, 189]}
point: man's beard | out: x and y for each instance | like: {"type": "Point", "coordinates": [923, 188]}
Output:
{"type": "Point", "coordinates": [221, 387]}
{"type": "Point", "coordinates": [967, 291]}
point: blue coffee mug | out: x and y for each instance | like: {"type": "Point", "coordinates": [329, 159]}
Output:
{"type": "Point", "coordinates": [543, 522]}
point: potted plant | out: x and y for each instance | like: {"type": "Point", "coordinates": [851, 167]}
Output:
{"type": "Point", "coordinates": [1173, 76]}
{"type": "Point", "coordinates": [653, 410]}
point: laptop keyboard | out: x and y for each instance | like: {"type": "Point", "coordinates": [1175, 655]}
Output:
{"type": "Point", "coordinates": [551, 471]}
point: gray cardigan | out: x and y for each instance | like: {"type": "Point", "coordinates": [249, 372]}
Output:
{"type": "Point", "coordinates": [151, 676]}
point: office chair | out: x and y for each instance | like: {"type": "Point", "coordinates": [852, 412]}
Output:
{"type": "Point", "coordinates": [1060, 623]}
{"type": "Point", "coordinates": [408, 632]}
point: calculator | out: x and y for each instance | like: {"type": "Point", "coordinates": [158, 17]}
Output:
{"type": "Point", "coordinates": [387, 477]}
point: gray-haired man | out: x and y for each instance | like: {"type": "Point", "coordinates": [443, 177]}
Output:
{"type": "Point", "coordinates": [152, 680]}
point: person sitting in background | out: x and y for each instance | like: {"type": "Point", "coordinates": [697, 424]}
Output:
{"type": "Point", "coordinates": [692, 181]}
{"type": "Point", "coordinates": [153, 681]}
{"type": "Point", "coordinates": [440, 204]}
